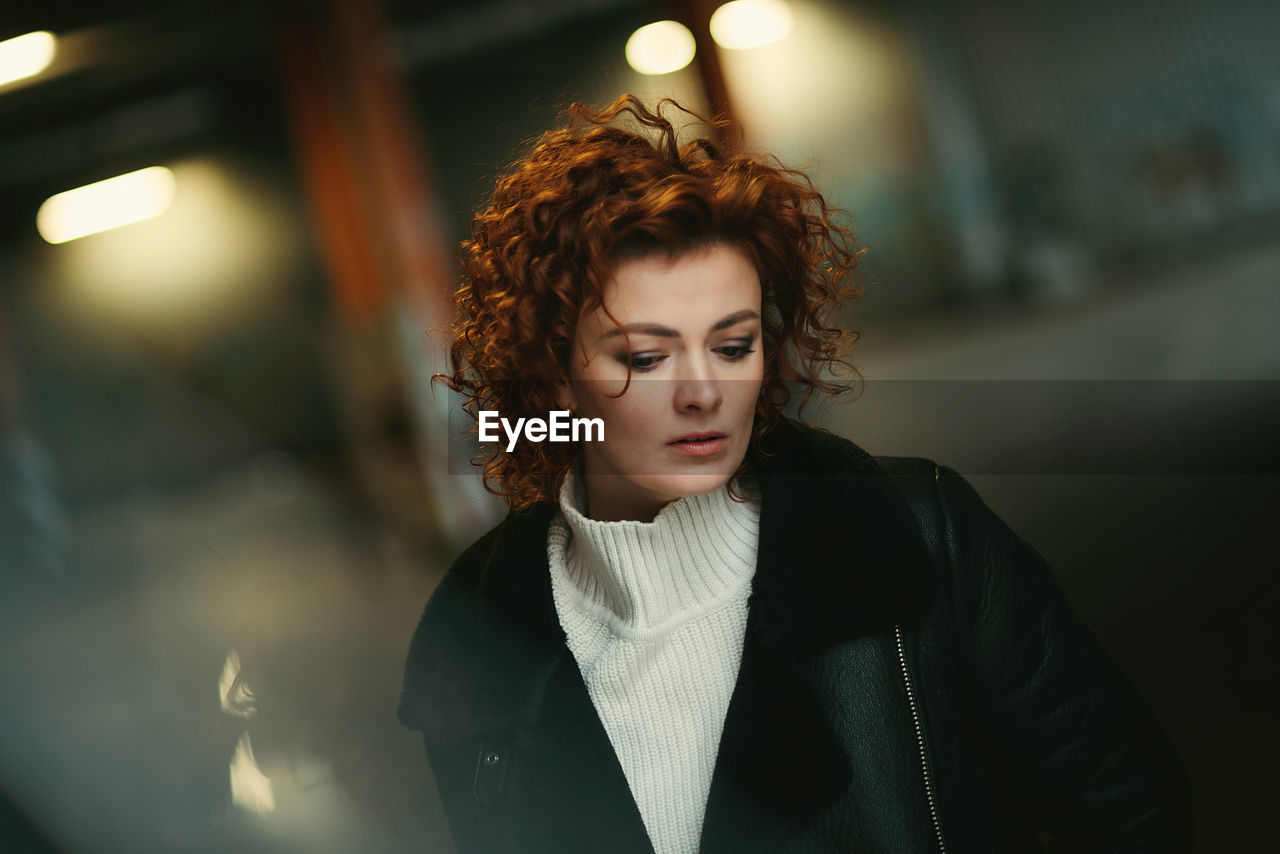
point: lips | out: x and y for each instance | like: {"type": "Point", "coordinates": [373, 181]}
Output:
{"type": "Point", "coordinates": [708, 443]}
{"type": "Point", "coordinates": [705, 436]}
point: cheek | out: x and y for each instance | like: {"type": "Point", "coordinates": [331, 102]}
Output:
{"type": "Point", "coordinates": [635, 412]}
{"type": "Point", "coordinates": [746, 393]}
{"type": "Point", "coordinates": [639, 412]}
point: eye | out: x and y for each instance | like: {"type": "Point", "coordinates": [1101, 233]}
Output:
{"type": "Point", "coordinates": [644, 362]}
{"type": "Point", "coordinates": [736, 352]}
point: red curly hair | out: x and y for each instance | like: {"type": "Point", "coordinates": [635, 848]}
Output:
{"type": "Point", "coordinates": [593, 194]}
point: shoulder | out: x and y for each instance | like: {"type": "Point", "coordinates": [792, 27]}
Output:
{"type": "Point", "coordinates": [841, 551]}
{"type": "Point", "coordinates": [939, 497]}
{"type": "Point", "coordinates": [798, 448]}
{"type": "Point", "coordinates": [973, 557]}
{"type": "Point", "coordinates": [825, 460]}
{"type": "Point", "coordinates": [961, 532]}
{"type": "Point", "coordinates": [794, 448]}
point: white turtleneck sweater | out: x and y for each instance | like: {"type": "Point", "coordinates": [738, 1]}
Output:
{"type": "Point", "coordinates": [655, 614]}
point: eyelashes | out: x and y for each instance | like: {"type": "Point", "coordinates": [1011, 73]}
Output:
{"type": "Point", "coordinates": [646, 362]}
{"type": "Point", "coordinates": [643, 363]}
{"type": "Point", "coordinates": [736, 353]}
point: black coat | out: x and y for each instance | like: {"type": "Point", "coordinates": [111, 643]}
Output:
{"type": "Point", "coordinates": [912, 680]}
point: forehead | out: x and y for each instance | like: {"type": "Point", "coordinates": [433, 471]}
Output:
{"type": "Point", "coordinates": [701, 284]}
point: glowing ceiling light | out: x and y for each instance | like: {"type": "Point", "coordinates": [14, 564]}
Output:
{"type": "Point", "coordinates": [106, 204]}
{"type": "Point", "coordinates": [660, 48]}
{"type": "Point", "coordinates": [743, 24]}
{"type": "Point", "coordinates": [26, 55]}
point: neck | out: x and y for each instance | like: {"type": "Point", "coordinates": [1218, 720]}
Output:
{"type": "Point", "coordinates": [613, 498]}
{"type": "Point", "coordinates": [646, 573]}
{"type": "Point", "coordinates": [606, 504]}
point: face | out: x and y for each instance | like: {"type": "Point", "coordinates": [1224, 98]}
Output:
{"type": "Point", "coordinates": [693, 345]}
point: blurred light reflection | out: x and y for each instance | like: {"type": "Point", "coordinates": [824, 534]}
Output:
{"type": "Point", "coordinates": [26, 55]}
{"type": "Point", "coordinates": [226, 247]}
{"type": "Point", "coordinates": [660, 48]}
{"type": "Point", "coordinates": [104, 205]}
{"type": "Point", "coordinates": [744, 24]}
{"type": "Point", "coordinates": [250, 788]}
{"type": "Point", "coordinates": [236, 697]}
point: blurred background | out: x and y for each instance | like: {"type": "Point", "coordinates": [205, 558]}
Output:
{"type": "Point", "coordinates": [229, 227]}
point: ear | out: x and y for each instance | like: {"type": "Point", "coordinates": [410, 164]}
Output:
{"type": "Point", "coordinates": [564, 396]}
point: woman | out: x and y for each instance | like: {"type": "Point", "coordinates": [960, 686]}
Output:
{"type": "Point", "coordinates": [719, 629]}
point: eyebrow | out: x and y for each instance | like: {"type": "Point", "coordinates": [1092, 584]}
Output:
{"type": "Point", "coordinates": [667, 332]}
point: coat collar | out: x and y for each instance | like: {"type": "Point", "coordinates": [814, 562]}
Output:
{"type": "Point", "coordinates": [840, 557]}
{"type": "Point", "coordinates": [840, 554]}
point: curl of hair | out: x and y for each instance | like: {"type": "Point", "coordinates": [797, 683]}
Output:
{"type": "Point", "coordinates": [593, 194]}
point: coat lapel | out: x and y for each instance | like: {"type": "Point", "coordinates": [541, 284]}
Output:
{"type": "Point", "coordinates": [564, 789]}
{"type": "Point", "coordinates": [839, 559]}
{"type": "Point", "coordinates": [573, 794]}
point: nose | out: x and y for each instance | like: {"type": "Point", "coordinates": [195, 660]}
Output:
{"type": "Point", "coordinates": [697, 390]}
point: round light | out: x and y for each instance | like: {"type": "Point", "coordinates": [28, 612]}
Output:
{"type": "Point", "coordinates": [660, 48]}
{"type": "Point", "coordinates": [107, 204]}
{"type": "Point", "coordinates": [744, 24]}
{"type": "Point", "coordinates": [26, 55]}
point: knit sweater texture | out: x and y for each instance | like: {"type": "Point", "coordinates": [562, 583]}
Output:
{"type": "Point", "coordinates": [655, 614]}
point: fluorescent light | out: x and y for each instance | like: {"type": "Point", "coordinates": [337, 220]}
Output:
{"type": "Point", "coordinates": [660, 48]}
{"type": "Point", "coordinates": [744, 24]}
{"type": "Point", "coordinates": [26, 55]}
{"type": "Point", "coordinates": [106, 204]}
{"type": "Point", "coordinates": [226, 247]}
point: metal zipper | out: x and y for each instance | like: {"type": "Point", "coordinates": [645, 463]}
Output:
{"type": "Point", "coordinates": [924, 756]}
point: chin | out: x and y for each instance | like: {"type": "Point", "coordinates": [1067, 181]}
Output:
{"type": "Point", "coordinates": [683, 485]}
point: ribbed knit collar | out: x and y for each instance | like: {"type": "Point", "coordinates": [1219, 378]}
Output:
{"type": "Point", "coordinates": [644, 577]}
